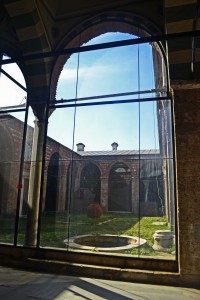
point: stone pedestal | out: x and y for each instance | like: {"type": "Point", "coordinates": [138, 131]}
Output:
{"type": "Point", "coordinates": [163, 240]}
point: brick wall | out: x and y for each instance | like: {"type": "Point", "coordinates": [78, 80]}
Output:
{"type": "Point", "coordinates": [187, 123]}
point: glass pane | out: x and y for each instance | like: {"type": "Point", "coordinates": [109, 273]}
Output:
{"type": "Point", "coordinates": [59, 155]}
{"type": "Point", "coordinates": [99, 72]}
{"type": "Point", "coordinates": [103, 174]}
{"type": "Point", "coordinates": [98, 189]}
{"type": "Point", "coordinates": [149, 129]}
{"type": "Point", "coordinates": [156, 179]}
{"type": "Point", "coordinates": [145, 67]}
{"type": "Point", "coordinates": [11, 133]}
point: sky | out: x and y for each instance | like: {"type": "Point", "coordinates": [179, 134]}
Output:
{"type": "Point", "coordinates": [99, 72]}
{"type": "Point", "coordinates": [11, 94]}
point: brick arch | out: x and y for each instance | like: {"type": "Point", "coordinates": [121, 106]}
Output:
{"type": "Point", "coordinates": [117, 162]}
{"type": "Point", "coordinates": [91, 162]}
{"type": "Point", "coordinates": [123, 22]}
{"type": "Point", "coordinates": [120, 161]}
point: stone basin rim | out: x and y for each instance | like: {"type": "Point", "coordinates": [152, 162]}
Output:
{"type": "Point", "coordinates": [132, 242]}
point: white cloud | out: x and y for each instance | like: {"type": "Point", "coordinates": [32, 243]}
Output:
{"type": "Point", "coordinates": [95, 70]}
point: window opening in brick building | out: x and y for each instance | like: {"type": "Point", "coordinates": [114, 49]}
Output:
{"type": "Point", "coordinates": [111, 126]}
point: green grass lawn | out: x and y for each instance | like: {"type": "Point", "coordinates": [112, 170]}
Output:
{"type": "Point", "coordinates": [55, 228]}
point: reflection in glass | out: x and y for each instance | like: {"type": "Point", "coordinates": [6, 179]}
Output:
{"type": "Point", "coordinates": [11, 133]}
{"type": "Point", "coordinates": [111, 190]}
{"type": "Point", "coordinates": [119, 179]}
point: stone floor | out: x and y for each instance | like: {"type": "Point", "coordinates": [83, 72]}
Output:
{"type": "Point", "coordinates": [18, 284]}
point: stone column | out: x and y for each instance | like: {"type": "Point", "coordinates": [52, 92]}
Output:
{"type": "Point", "coordinates": [35, 184]}
{"type": "Point", "coordinates": [44, 189]}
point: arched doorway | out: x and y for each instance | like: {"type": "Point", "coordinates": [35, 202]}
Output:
{"type": "Point", "coordinates": [119, 190]}
{"type": "Point", "coordinates": [90, 185]}
{"type": "Point", "coordinates": [52, 183]}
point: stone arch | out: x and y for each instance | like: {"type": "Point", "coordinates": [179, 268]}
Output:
{"type": "Point", "coordinates": [33, 40]}
{"type": "Point", "coordinates": [120, 161]}
{"type": "Point", "coordinates": [120, 188]}
{"type": "Point", "coordinates": [52, 183]}
{"type": "Point", "coordinates": [123, 22]}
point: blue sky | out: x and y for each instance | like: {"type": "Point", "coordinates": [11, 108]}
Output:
{"type": "Point", "coordinates": [100, 72]}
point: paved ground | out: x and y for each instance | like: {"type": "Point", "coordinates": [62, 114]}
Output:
{"type": "Point", "coordinates": [17, 284]}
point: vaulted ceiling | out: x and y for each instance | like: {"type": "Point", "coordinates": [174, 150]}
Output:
{"type": "Point", "coordinates": [39, 26]}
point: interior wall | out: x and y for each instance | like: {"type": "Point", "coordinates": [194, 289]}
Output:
{"type": "Point", "coordinates": [187, 135]}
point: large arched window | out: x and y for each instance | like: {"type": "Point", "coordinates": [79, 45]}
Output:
{"type": "Point", "coordinates": [116, 94]}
